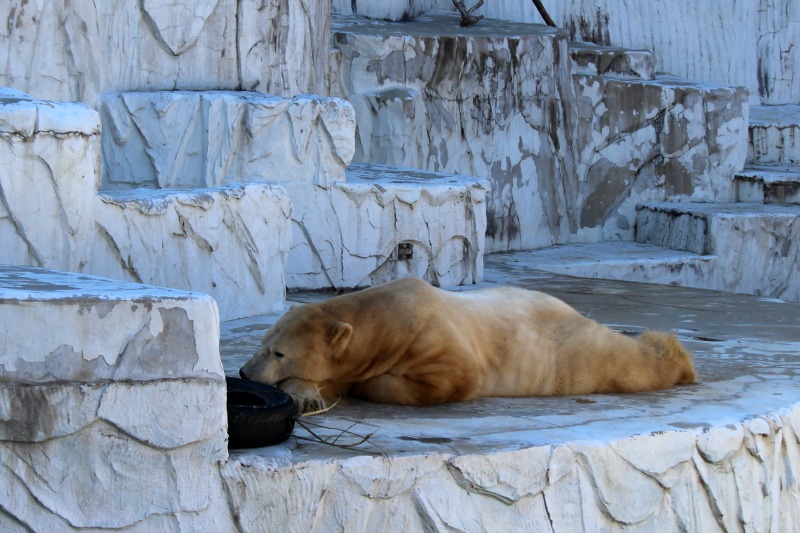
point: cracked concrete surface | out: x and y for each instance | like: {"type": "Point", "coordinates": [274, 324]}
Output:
{"type": "Point", "coordinates": [741, 238]}
{"type": "Point", "coordinates": [751, 43]}
{"type": "Point", "coordinates": [774, 135]}
{"type": "Point", "coordinates": [54, 149]}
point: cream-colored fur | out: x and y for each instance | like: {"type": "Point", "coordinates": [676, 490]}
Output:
{"type": "Point", "coordinates": [405, 342]}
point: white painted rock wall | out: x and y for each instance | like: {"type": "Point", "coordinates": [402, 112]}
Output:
{"type": "Point", "coordinates": [750, 43]}
{"type": "Point", "coordinates": [182, 139]}
{"type": "Point", "coordinates": [398, 10]}
{"type": "Point", "coordinates": [429, 94]}
{"type": "Point", "coordinates": [649, 140]}
{"type": "Point", "coordinates": [774, 135]}
{"type": "Point", "coordinates": [64, 50]}
{"type": "Point", "coordinates": [346, 235]}
{"type": "Point", "coordinates": [738, 476]}
{"type": "Point", "coordinates": [229, 242]}
{"type": "Point", "coordinates": [49, 172]}
{"type": "Point", "coordinates": [568, 156]}
{"type": "Point", "coordinates": [111, 405]}
{"type": "Point", "coordinates": [745, 238]}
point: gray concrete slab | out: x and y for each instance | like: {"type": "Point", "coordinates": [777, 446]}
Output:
{"type": "Point", "coordinates": [746, 349]}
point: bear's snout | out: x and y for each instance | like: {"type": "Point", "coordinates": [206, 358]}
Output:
{"type": "Point", "coordinates": [243, 375]}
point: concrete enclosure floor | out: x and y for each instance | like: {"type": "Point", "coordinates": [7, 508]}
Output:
{"type": "Point", "coordinates": [746, 350]}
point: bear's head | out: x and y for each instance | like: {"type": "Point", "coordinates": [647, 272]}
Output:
{"type": "Point", "coordinates": [306, 344]}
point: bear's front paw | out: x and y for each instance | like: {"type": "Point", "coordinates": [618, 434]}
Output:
{"type": "Point", "coordinates": [305, 394]}
{"type": "Point", "coordinates": [308, 405]}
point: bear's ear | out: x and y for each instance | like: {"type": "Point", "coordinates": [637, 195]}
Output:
{"type": "Point", "coordinates": [338, 336]}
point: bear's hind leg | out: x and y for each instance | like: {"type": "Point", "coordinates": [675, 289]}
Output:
{"type": "Point", "coordinates": [404, 390]}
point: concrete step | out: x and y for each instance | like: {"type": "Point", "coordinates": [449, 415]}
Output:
{"type": "Point", "coordinates": [100, 375]}
{"type": "Point", "coordinates": [758, 245]}
{"type": "Point", "coordinates": [433, 95]}
{"type": "Point", "coordinates": [348, 234]}
{"type": "Point", "coordinates": [774, 134]}
{"type": "Point", "coordinates": [598, 60]}
{"type": "Point", "coordinates": [625, 261]}
{"type": "Point", "coordinates": [347, 225]}
{"type": "Point", "coordinates": [187, 139]}
{"type": "Point", "coordinates": [230, 242]}
{"type": "Point", "coordinates": [771, 184]}
{"type": "Point", "coordinates": [50, 153]}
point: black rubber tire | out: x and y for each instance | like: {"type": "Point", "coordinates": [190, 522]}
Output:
{"type": "Point", "coordinates": [258, 414]}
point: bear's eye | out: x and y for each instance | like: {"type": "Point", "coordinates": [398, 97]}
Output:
{"type": "Point", "coordinates": [279, 355]}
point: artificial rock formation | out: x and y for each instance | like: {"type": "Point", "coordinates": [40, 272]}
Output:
{"type": "Point", "coordinates": [569, 153]}
{"type": "Point", "coordinates": [162, 237]}
{"type": "Point", "coordinates": [742, 237]}
{"type": "Point", "coordinates": [396, 10]}
{"type": "Point", "coordinates": [61, 50]}
{"type": "Point", "coordinates": [52, 148]}
{"type": "Point", "coordinates": [346, 226]}
{"type": "Point", "coordinates": [183, 139]}
{"type": "Point", "coordinates": [749, 43]}
{"type": "Point", "coordinates": [112, 405]}
{"type": "Point", "coordinates": [729, 478]}
{"type": "Point", "coordinates": [347, 234]}
{"type": "Point", "coordinates": [644, 140]}
{"type": "Point", "coordinates": [487, 101]}
{"type": "Point", "coordinates": [229, 242]}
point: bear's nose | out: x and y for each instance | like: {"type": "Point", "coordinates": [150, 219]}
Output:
{"type": "Point", "coordinates": [241, 373]}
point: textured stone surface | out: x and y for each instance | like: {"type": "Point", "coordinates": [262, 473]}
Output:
{"type": "Point", "coordinates": [626, 261]}
{"type": "Point", "coordinates": [111, 405]}
{"type": "Point", "coordinates": [346, 234]}
{"type": "Point", "coordinates": [748, 238]}
{"type": "Point", "coordinates": [283, 46]}
{"type": "Point", "coordinates": [182, 139]}
{"type": "Point", "coordinates": [568, 156]}
{"type": "Point", "coordinates": [774, 135]}
{"type": "Point", "coordinates": [229, 242]}
{"type": "Point", "coordinates": [772, 184]}
{"type": "Point", "coordinates": [750, 43]}
{"type": "Point", "coordinates": [51, 148]}
{"type": "Point", "coordinates": [778, 57]}
{"type": "Point", "coordinates": [723, 454]}
{"type": "Point", "coordinates": [487, 101]}
{"type": "Point", "coordinates": [640, 140]}
{"type": "Point", "coordinates": [399, 10]}
{"type": "Point", "coordinates": [64, 50]}
{"type": "Point", "coordinates": [77, 328]}
{"type": "Point", "coordinates": [590, 58]}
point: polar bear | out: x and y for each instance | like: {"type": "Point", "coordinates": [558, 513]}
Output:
{"type": "Point", "coordinates": [406, 342]}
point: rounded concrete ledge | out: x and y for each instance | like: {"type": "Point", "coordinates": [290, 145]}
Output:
{"type": "Point", "coordinates": [722, 454]}
{"type": "Point", "coordinates": [112, 405]}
